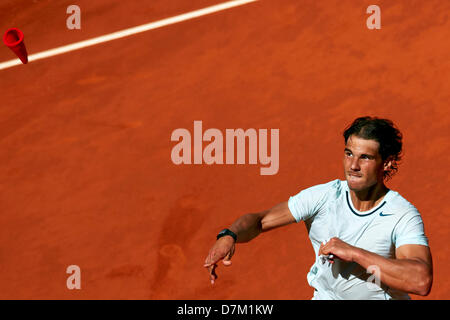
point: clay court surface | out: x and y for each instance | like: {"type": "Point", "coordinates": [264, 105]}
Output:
{"type": "Point", "coordinates": [86, 176]}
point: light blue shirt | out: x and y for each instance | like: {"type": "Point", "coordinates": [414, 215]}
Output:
{"type": "Point", "coordinates": [328, 212]}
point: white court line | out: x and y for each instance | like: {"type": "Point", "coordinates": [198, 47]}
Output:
{"type": "Point", "coordinates": [127, 32]}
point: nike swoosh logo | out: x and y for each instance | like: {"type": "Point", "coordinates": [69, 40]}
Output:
{"type": "Point", "coordinates": [385, 215]}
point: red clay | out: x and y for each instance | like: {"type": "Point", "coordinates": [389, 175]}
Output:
{"type": "Point", "coordinates": [86, 174]}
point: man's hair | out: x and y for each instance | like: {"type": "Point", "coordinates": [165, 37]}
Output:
{"type": "Point", "coordinates": [385, 133]}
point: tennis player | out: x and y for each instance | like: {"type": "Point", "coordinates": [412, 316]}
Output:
{"type": "Point", "coordinates": [369, 241]}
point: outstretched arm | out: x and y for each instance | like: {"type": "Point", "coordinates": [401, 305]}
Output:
{"type": "Point", "coordinates": [246, 228]}
{"type": "Point", "coordinates": [251, 225]}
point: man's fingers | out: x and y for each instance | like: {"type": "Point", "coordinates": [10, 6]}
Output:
{"type": "Point", "coordinates": [324, 248]}
{"type": "Point", "coordinates": [211, 259]}
{"type": "Point", "coordinates": [211, 265]}
{"type": "Point", "coordinates": [212, 273]}
{"type": "Point", "coordinates": [216, 254]}
{"type": "Point", "coordinates": [321, 250]}
{"type": "Point", "coordinates": [227, 260]}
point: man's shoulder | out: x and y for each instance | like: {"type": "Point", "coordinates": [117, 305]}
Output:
{"type": "Point", "coordinates": [332, 189]}
{"type": "Point", "coordinates": [309, 201]}
{"type": "Point", "coordinates": [333, 184]}
{"type": "Point", "coordinates": [400, 205]}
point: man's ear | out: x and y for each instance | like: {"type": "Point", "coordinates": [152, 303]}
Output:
{"type": "Point", "coordinates": [387, 164]}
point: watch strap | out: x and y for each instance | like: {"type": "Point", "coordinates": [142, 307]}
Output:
{"type": "Point", "coordinates": [227, 232]}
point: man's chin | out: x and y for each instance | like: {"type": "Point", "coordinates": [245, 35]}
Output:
{"type": "Point", "coordinates": [359, 184]}
{"type": "Point", "coordinates": [356, 185]}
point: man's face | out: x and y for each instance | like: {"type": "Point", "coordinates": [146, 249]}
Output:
{"type": "Point", "coordinates": [363, 165]}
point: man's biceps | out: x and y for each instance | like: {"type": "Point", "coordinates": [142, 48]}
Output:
{"type": "Point", "coordinates": [283, 211]}
{"type": "Point", "coordinates": [278, 216]}
{"type": "Point", "coordinates": [413, 251]}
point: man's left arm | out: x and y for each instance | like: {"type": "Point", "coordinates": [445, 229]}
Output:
{"type": "Point", "coordinates": [411, 271]}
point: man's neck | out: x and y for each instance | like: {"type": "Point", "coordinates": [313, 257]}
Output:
{"type": "Point", "coordinates": [365, 200]}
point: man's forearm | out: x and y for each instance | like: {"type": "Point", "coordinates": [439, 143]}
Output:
{"type": "Point", "coordinates": [409, 275]}
{"type": "Point", "coordinates": [247, 227]}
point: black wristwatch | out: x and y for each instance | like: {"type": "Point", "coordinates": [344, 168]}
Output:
{"type": "Point", "coordinates": [227, 232]}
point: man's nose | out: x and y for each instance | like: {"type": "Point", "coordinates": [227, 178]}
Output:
{"type": "Point", "coordinates": [355, 165]}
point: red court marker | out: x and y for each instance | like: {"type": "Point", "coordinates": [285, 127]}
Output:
{"type": "Point", "coordinates": [13, 38]}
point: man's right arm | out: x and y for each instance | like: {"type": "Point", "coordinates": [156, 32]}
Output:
{"type": "Point", "coordinates": [251, 225]}
{"type": "Point", "coordinates": [246, 228]}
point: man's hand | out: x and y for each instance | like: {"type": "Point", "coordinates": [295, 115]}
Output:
{"type": "Point", "coordinates": [223, 250]}
{"type": "Point", "coordinates": [339, 249]}
{"type": "Point", "coordinates": [247, 227]}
